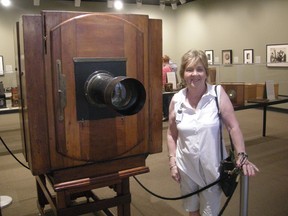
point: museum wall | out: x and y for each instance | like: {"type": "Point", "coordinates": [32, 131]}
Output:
{"type": "Point", "coordinates": [9, 16]}
{"type": "Point", "coordinates": [236, 25]}
{"type": "Point", "coordinates": [201, 24]}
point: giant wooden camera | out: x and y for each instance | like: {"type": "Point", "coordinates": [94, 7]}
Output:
{"type": "Point", "coordinates": [90, 87]}
{"type": "Point", "coordinates": [90, 91]}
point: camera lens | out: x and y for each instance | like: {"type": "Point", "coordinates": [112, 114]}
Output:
{"type": "Point", "coordinates": [123, 94]}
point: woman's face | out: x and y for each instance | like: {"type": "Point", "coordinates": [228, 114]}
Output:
{"type": "Point", "coordinates": [195, 74]}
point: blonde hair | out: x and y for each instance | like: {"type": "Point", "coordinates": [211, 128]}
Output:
{"type": "Point", "coordinates": [193, 56]}
{"type": "Point", "coordinates": [165, 59]}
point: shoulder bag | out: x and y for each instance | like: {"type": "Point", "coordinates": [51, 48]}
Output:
{"type": "Point", "coordinates": [228, 170]}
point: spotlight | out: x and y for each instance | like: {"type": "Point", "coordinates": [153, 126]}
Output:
{"type": "Point", "coordinates": [139, 3]}
{"type": "Point", "coordinates": [162, 4]}
{"type": "Point", "coordinates": [110, 3]}
{"type": "Point", "coordinates": [36, 2]}
{"type": "Point", "coordinates": [174, 5]}
{"type": "Point", "coordinates": [77, 3]}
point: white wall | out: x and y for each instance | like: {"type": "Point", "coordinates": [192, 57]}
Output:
{"type": "Point", "coordinates": [236, 25]}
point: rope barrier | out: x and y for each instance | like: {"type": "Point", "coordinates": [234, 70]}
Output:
{"type": "Point", "coordinates": [189, 194]}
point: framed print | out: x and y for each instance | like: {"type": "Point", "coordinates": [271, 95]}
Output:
{"type": "Point", "coordinates": [226, 57]}
{"type": "Point", "coordinates": [276, 55]}
{"type": "Point", "coordinates": [210, 56]}
{"type": "Point", "coordinates": [1, 65]}
{"type": "Point", "coordinates": [248, 56]}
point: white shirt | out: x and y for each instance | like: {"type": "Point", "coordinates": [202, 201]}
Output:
{"type": "Point", "coordinates": [198, 143]}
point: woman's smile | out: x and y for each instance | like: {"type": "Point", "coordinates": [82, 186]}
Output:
{"type": "Point", "coordinates": [195, 74]}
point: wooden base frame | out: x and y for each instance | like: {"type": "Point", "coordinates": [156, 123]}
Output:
{"type": "Point", "coordinates": [61, 196]}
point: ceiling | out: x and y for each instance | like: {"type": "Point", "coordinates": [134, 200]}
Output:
{"type": "Point", "coordinates": [144, 2]}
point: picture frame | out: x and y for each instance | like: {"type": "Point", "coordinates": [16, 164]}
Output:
{"type": "Point", "coordinates": [210, 56]}
{"type": "Point", "coordinates": [248, 56]}
{"type": "Point", "coordinates": [226, 57]}
{"type": "Point", "coordinates": [1, 65]}
{"type": "Point", "coordinates": [276, 55]}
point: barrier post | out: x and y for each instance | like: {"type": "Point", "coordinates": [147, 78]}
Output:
{"type": "Point", "coordinates": [244, 193]}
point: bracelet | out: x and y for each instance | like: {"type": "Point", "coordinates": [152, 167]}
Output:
{"type": "Point", "coordinates": [170, 156]}
{"type": "Point", "coordinates": [242, 154]}
{"type": "Point", "coordinates": [244, 158]}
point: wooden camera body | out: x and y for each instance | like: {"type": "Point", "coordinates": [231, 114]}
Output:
{"type": "Point", "coordinates": [65, 135]}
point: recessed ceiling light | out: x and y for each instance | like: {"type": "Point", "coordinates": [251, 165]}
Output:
{"type": "Point", "coordinates": [118, 4]}
{"type": "Point", "coordinates": [6, 3]}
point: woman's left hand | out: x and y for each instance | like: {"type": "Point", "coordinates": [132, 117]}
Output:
{"type": "Point", "coordinates": [247, 167]}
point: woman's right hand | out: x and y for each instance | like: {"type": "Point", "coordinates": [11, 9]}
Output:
{"type": "Point", "coordinates": [175, 174]}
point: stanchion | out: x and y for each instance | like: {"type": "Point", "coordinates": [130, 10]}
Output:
{"type": "Point", "coordinates": [4, 202]}
{"type": "Point", "coordinates": [244, 193]}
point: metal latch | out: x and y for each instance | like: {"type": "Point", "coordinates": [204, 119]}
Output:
{"type": "Point", "coordinates": [61, 90]}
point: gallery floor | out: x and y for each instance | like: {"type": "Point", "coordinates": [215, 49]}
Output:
{"type": "Point", "coordinates": [268, 191]}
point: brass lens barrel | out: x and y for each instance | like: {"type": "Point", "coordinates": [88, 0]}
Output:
{"type": "Point", "coordinates": [125, 95]}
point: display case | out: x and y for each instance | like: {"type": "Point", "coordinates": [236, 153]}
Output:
{"type": "Point", "coordinates": [248, 80]}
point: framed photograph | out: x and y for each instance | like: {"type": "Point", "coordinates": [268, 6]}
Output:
{"type": "Point", "coordinates": [276, 55]}
{"type": "Point", "coordinates": [210, 56]}
{"type": "Point", "coordinates": [1, 65]}
{"type": "Point", "coordinates": [226, 57]}
{"type": "Point", "coordinates": [248, 56]}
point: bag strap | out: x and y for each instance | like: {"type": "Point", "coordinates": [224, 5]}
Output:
{"type": "Point", "coordinates": [220, 126]}
{"type": "Point", "coordinates": [220, 122]}
{"type": "Point", "coordinates": [221, 149]}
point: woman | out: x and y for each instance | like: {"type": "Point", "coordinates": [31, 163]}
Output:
{"type": "Point", "coordinates": [193, 136]}
{"type": "Point", "coordinates": [165, 68]}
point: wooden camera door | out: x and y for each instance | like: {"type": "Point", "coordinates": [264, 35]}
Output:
{"type": "Point", "coordinates": [80, 46]}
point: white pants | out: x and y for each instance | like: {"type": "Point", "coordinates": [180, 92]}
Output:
{"type": "Point", "coordinates": [208, 201]}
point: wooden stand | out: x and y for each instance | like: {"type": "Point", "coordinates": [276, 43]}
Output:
{"type": "Point", "coordinates": [63, 200]}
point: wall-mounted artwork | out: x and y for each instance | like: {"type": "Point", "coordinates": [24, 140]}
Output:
{"type": "Point", "coordinates": [226, 57]}
{"type": "Point", "coordinates": [276, 55]}
{"type": "Point", "coordinates": [248, 56]}
{"type": "Point", "coordinates": [1, 65]}
{"type": "Point", "coordinates": [210, 56]}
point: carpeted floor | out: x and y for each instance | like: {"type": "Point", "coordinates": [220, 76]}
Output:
{"type": "Point", "coordinates": [268, 191]}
